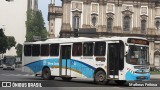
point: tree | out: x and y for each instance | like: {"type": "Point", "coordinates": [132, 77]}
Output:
{"type": "Point", "coordinates": [11, 42]}
{"type": "Point", "coordinates": [6, 42]}
{"type": "Point", "coordinates": [19, 50]}
{"type": "Point", "coordinates": [3, 42]}
{"type": "Point", "coordinates": [35, 25]}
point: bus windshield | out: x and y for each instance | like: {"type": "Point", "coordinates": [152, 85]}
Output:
{"type": "Point", "coordinates": [138, 55]}
{"type": "Point", "coordinates": [9, 61]}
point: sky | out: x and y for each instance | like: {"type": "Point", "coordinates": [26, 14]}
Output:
{"type": "Point", "coordinates": [13, 17]}
{"type": "Point", "coordinates": [43, 6]}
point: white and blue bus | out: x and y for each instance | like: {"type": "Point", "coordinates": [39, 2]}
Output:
{"type": "Point", "coordinates": [103, 59]}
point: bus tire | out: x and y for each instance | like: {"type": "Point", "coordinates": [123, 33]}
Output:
{"type": "Point", "coordinates": [46, 74]}
{"type": "Point", "coordinates": [100, 77]}
{"type": "Point", "coordinates": [120, 82]}
{"type": "Point", "coordinates": [67, 78]}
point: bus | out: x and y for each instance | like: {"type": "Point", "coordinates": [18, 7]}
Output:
{"type": "Point", "coordinates": [8, 63]}
{"type": "Point", "coordinates": [102, 59]}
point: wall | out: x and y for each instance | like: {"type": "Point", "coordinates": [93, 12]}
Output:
{"type": "Point", "coordinates": [12, 18]}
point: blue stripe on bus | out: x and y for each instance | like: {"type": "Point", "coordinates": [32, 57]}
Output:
{"type": "Point", "coordinates": [38, 65]}
{"type": "Point", "coordinates": [86, 69]}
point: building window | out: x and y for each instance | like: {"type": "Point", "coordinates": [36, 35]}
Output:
{"type": "Point", "coordinates": [77, 49]}
{"type": "Point", "coordinates": [51, 30]}
{"type": "Point", "coordinates": [51, 24]}
{"type": "Point", "coordinates": [143, 25]}
{"type": "Point", "coordinates": [76, 22]}
{"type": "Point", "coordinates": [126, 23]}
{"type": "Point", "coordinates": [109, 24]}
{"type": "Point", "coordinates": [94, 21]}
{"type": "Point", "coordinates": [157, 24]}
{"type": "Point", "coordinates": [88, 49]}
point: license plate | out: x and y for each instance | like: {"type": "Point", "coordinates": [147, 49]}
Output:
{"type": "Point", "coordinates": [142, 77]}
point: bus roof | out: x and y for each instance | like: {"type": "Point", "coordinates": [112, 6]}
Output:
{"type": "Point", "coordinates": [81, 39]}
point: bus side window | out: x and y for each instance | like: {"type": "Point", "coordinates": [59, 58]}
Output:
{"type": "Point", "coordinates": [45, 50]}
{"type": "Point", "coordinates": [36, 50]}
{"type": "Point", "coordinates": [88, 49]}
{"type": "Point", "coordinates": [27, 50]}
{"type": "Point", "coordinates": [77, 49]}
{"type": "Point", "coordinates": [54, 50]}
{"type": "Point", "coordinates": [100, 49]}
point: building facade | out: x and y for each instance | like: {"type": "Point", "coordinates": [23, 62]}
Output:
{"type": "Point", "coordinates": [109, 18]}
{"type": "Point", "coordinates": [32, 4]}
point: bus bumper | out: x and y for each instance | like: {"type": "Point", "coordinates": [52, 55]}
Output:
{"type": "Point", "coordinates": [134, 76]}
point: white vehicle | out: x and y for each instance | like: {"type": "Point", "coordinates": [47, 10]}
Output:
{"type": "Point", "coordinates": [9, 63]}
{"type": "Point", "coordinates": [117, 58]}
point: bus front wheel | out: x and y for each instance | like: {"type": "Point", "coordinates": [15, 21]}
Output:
{"type": "Point", "coordinates": [100, 77]}
{"type": "Point", "coordinates": [46, 74]}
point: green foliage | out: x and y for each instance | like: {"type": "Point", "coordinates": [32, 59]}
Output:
{"type": "Point", "coordinates": [3, 42]}
{"type": "Point", "coordinates": [35, 25]}
{"type": "Point", "coordinates": [6, 42]}
{"type": "Point", "coordinates": [19, 50]}
{"type": "Point", "coordinates": [11, 42]}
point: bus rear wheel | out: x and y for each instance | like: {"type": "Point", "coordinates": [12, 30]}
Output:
{"type": "Point", "coordinates": [46, 74]}
{"type": "Point", "coordinates": [100, 78]}
{"type": "Point", "coordinates": [67, 78]}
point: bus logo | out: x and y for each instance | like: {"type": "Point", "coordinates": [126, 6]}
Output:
{"type": "Point", "coordinates": [6, 84]}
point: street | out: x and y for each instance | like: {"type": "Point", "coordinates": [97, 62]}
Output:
{"type": "Point", "coordinates": [58, 83]}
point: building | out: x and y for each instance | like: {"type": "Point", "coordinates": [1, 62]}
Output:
{"type": "Point", "coordinates": [54, 15]}
{"type": "Point", "coordinates": [12, 20]}
{"type": "Point", "coordinates": [32, 4]}
{"type": "Point", "coordinates": [109, 18]}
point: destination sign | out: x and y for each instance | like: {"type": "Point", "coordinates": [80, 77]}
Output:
{"type": "Point", "coordinates": [138, 41]}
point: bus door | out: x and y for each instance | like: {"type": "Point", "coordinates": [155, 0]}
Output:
{"type": "Point", "coordinates": [65, 57]}
{"type": "Point", "coordinates": [115, 59]}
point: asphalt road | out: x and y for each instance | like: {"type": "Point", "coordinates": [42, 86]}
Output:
{"type": "Point", "coordinates": [59, 84]}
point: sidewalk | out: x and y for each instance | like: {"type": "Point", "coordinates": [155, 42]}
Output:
{"type": "Point", "coordinates": [155, 76]}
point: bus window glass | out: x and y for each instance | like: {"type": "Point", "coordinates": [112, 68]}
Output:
{"type": "Point", "coordinates": [88, 49]}
{"type": "Point", "coordinates": [77, 49]}
{"type": "Point", "coordinates": [54, 50]}
{"type": "Point", "coordinates": [45, 50]}
{"type": "Point", "coordinates": [36, 50]}
{"type": "Point", "coordinates": [100, 48]}
{"type": "Point", "coordinates": [27, 50]}
{"type": "Point", "coordinates": [9, 61]}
